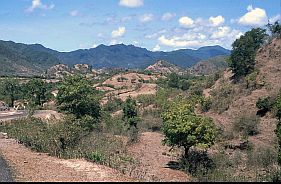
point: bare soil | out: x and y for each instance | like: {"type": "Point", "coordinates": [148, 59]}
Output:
{"type": "Point", "coordinates": [154, 159]}
{"type": "Point", "coordinates": [39, 167]}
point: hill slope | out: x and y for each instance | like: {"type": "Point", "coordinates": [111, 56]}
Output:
{"type": "Point", "coordinates": [210, 66]}
{"type": "Point", "coordinates": [23, 59]}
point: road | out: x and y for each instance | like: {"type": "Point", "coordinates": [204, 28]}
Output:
{"type": "Point", "coordinates": [5, 173]}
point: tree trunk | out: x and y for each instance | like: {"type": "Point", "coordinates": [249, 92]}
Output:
{"type": "Point", "coordinates": [186, 151]}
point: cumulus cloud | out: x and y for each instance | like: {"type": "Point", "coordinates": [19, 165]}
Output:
{"type": "Point", "coordinates": [186, 22]}
{"type": "Point", "coordinates": [74, 13]}
{"type": "Point", "coordinates": [216, 21]}
{"type": "Point", "coordinates": [199, 36]}
{"type": "Point", "coordinates": [37, 4]}
{"type": "Point", "coordinates": [156, 48]}
{"type": "Point", "coordinates": [146, 17]}
{"type": "Point", "coordinates": [254, 17]}
{"type": "Point", "coordinates": [168, 16]}
{"type": "Point", "coordinates": [119, 32]}
{"type": "Point", "coordinates": [131, 3]}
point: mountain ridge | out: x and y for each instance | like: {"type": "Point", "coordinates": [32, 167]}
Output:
{"type": "Point", "coordinates": [38, 58]}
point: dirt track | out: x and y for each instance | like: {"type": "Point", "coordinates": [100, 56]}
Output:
{"type": "Point", "coordinates": [155, 157]}
{"type": "Point", "coordinates": [38, 167]}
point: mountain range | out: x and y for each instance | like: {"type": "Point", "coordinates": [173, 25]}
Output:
{"type": "Point", "coordinates": [24, 59]}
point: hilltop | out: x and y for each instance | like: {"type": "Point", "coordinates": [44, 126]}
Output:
{"type": "Point", "coordinates": [165, 68]}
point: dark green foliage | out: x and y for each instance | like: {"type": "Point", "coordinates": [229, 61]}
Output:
{"type": "Point", "coordinates": [243, 52]}
{"type": "Point", "coordinates": [113, 104]}
{"type": "Point", "coordinates": [173, 80]}
{"type": "Point", "coordinates": [77, 96]}
{"type": "Point", "coordinates": [36, 92]}
{"type": "Point", "coordinates": [10, 91]}
{"type": "Point", "coordinates": [130, 114]}
{"type": "Point", "coordinates": [264, 105]}
{"type": "Point", "coordinates": [206, 104]}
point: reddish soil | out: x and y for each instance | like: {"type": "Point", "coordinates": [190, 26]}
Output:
{"type": "Point", "coordinates": [39, 167]}
{"type": "Point", "coordinates": [154, 159]}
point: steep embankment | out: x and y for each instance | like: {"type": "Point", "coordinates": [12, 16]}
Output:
{"type": "Point", "coordinates": [268, 65]}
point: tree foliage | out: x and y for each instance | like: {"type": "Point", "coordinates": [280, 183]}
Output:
{"type": "Point", "coordinates": [183, 128]}
{"type": "Point", "coordinates": [242, 58]}
{"type": "Point", "coordinates": [36, 92]}
{"type": "Point", "coordinates": [76, 96]}
{"type": "Point", "coordinates": [130, 113]}
{"type": "Point", "coordinates": [10, 90]}
{"type": "Point", "coordinates": [275, 29]}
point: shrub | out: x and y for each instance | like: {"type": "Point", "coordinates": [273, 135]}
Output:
{"type": "Point", "coordinates": [206, 104]}
{"type": "Point", "coordinates": [113, 104]}
{"type": "Point", "coordinates": [146, 100]}
{"type": "Point", "coordinates": [247, 125]}
{"type": "Point", "coordinates": [182, 128]}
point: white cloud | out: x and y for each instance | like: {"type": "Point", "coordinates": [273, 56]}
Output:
{"type": "Point", "coordinates": [131, 3]}
{"type": "Point", "coordinates": [254, 17]}
{"type": "Point", "coordinates": [199, 36]}
{"type": "Point", "coordinates": [186, 22]}
{"type": "Point", "coordinates": [37, 4]}
{"type": "Point", "coordinates": [221, 32]}
{"type": "Point", "coordinates": [74, 13]}
{"type": "Point", "coordinates": [114, 42]}
{"type": "Point", "coordinates": [168, 16]}
{"type": "Point", "coordinates": [156, 48]}
{"type": "Point", "coordinates": [275, 18]}
{"type": "Point", "coordinates": [216, 21]}
{"type": "Point", "coordinates": [119, 32]}
{"type": "Point", "coordinates": [146, 17]}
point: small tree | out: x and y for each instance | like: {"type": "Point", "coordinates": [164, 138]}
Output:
{"type": "Point", "coordinates": [76, 96]}
{"type": "Point", "coordinates": [36, 92]}
{"type": "Point", "coordinates": [183, 128]}
{"type": "Point", "coordinates": [10, 91]}
{"type": "Point", "coordinates": [130, 116]}
{"type": "Point", "coordinates": [173, 80]}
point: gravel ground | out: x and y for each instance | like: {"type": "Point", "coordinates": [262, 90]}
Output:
{"type": "Point", "coordinates": [5, 173]}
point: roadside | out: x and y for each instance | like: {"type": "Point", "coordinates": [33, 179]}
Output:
{"type": "Point", "coordinates": [39, 167]}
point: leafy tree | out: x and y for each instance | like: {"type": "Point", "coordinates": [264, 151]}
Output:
{"type": "Point", "coordinates": [36, 92]}
{"type": "Point", "coordinates": [130, 113]}
{"type": "Point", "coordinates": [173, 80]}
{"type": "Point", "coordinates": [10, 90]}
{"type": "Point", "coordinates": [183, 128]}
{"type": "Point", "coordinates": [242, 58]}
{"type": "Point", "coordinates": [76, 96]}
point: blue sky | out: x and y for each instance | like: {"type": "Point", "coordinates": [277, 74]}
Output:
{"type": "Point", "coordinates": [67, 25]}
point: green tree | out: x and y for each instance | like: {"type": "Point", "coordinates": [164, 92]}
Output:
{"type": "Point", "coordinates": [242, 58]}
{"type": "Point", "coordinates": [173, 80]}
{"type": "Point", "coordinates": [36, 92]}
{"type": "Point", "coordinates": [10, 91]}
{"type": "Point", "coordinates": [76, 96]}
{"type": "Point", "coordinates": [183, 128]}
{"type": "Point", "coordinates": [130, 113]}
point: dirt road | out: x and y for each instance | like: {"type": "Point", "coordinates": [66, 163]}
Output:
{"type": "Point", "coordinates": [39, 167]}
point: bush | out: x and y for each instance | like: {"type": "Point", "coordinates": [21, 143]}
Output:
{"type": "Point", "coordinates": [113, 104]}
{"type": "Point", "coordinates": [206, 104]}
{"type": "Point", "coordinates": [247, 125]}
{"type": "Point", "coordinates": [146, 100]}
